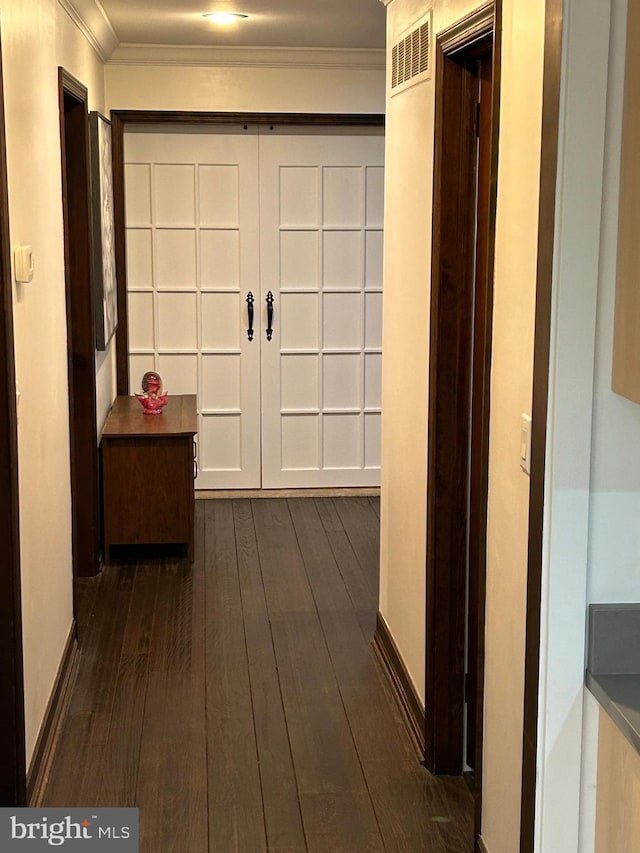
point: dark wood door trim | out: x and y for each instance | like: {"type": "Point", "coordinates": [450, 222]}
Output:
{"type": "Point", "coordinates": [119, 121]}
{"type": "Point", "coordinates": [461, 35]}
{"type": "Point", "coordinates": [85, 486]}
{"type": "Point", "coordinates": [462, 53]}
{"type": "Point", "coordinates": [542, 339]}
{"type": "Point", "coordinates": [227, 118]}
{"type": "Point", "coordinates": [449, 405]}
{"type": "Point", "coordinates": [13, 772]}
{"type": "Point", "coordinates": [479, 451]}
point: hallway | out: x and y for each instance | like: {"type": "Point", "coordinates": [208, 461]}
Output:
{"type": "Point", "coordinates": [238, 703]}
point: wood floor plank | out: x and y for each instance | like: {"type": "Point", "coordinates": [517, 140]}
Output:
{"type": "Point", "coordinates": [458, 805]}
{"type": "Point", "coordinates": [172, 781]}
{"type": "Point", "coordinates": [282, 815]}
{"type": "Point", "coordinates": [72, 783]}
{"type": "Point", "coordinates": [285, 580]}
{"type": "Point", "coordinates": [177, 630]}
{"type": "Point", "coordinates": [304, 665]}
{"type": "Point", "coordinates": [119, 776]}
{"type": "Point", "coordinates": [324, 753]}
{"type": "Point", "coordinates": [65, 781]}
{"type": "Point", "coordinates": [327, 585]}
{"type": "Point", "coordinates": [325, 758]}
{"type": "Point", "coordinates": [362, 526]}
{"type": "Point", "coordinates": [409, 807]}
{"type": "Point", "coordinates": [349, 649]}
{"type": "Point", "coordinates": [137, 634]}
{"type": "Point", "coordinates": [360, 588]}
{"type": "Point", "coordinates": [341, 823]}
{"type": "Point", "coordinates": [379, 734]}
{"type": "Point", "coordinates": [330, 518]}
{"type": "Point", "coordinates": [375, 505]}
{"type": "Point", "coordinates": [86, 600]}
{"type": "Point", "coordinates": [236, 821]}
{"type": "Point", "coordinates": [86, 728]}
{"type": "Point", "coordinates": [362, 592]}
{"type": "Point", "coordinates": [101, 649]}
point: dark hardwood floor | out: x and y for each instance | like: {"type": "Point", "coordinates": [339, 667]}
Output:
{"type": "Point", "coordinates": [237, 701]}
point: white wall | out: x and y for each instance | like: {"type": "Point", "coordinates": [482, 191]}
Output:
{"type": "Point", "coordinates": [562, 704]}
{"type": "Point", "coordinates": [244, 89]}
{"type": "Point", "coordinates": [592, 500]}
{"type": "Point", "coordinates": [614, 535]}
{"type": "Point", "coordinates": [37, 37]}
{"type": "Point", "coordinates": [409, 174]}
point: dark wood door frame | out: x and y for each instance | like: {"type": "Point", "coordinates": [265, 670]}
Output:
{"type": "Point", "coordinates": [83, 431]}
{"type": "Point", "coordinates": [13, 771]}
{"type": "Point", "coordinates": [479, 450]}
{"type": "Point", "coordinates": [467, 62]}
{"type": "Point", "coordinates": [449, 408]}
{"type": "Point", "coordinates": [542, 348]}
{"type": "Point", "coordinates": [120, 119]}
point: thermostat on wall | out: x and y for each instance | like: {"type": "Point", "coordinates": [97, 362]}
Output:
{"type": "Point", "coordinates": [23, 263]}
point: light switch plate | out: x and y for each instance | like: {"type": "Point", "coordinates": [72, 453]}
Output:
{"type": "Point", "coordinates": [23, 264]}
{"type": "Point", "coordinates": [525, 443]}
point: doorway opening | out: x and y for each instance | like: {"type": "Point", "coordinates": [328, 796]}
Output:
{"type": "Point", "coordinates": [265, 292]}
{"type": "Point", "coordinates": [465, 175]}
{"type": "Point", "coordinates": [83, 432]}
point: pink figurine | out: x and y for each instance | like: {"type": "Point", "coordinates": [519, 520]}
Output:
{"type": "Point", "coordinates": [153, 400]}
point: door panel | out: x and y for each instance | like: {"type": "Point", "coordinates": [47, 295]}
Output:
{"type": "Point", "coordinates": [192, 257]}
{"type": "Point", "coordinates": [212, 215]}
{"type": "Point", "coordinates": [321, 256]}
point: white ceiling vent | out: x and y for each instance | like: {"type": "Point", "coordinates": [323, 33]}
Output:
{"type": "Point", "coordinates": [411, 56]}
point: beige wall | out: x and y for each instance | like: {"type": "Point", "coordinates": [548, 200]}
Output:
{"type": "Point", "coordinates": [244, 89]}
{"type": "Point", "coordinates": [37, 37]}
{"type": "Point", "coordinates": [405, 384]}
{"type": "Point", "coordinates": [511, 388]}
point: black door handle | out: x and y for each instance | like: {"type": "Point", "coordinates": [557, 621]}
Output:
{"type": "Point", "coordinates": [250, 313]}
{"type": "Point", "coordinates": [269, 301]}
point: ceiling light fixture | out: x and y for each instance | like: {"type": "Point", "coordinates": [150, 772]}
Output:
{"type": "Point", "coordinates": [224, 18]}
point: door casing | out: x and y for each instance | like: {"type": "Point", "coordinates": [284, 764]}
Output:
{"type": "Point", "coordinates": [461, 313]}
{"type": "Point", "coordinates": [83, 431]}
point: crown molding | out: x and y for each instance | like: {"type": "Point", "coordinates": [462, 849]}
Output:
{"type": "Point", "coordinates": [93, 22]}
{"type": "Point", "coordinates": [474, 25]}
{"type": "Point", "coordinates": [363, 59]}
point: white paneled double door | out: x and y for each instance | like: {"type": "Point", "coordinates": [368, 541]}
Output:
{"type": "Point", "coordinates": [254, 266]}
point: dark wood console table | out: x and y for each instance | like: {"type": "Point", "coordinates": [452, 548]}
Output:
{"type": "Point", "coordinates": [148, 464]}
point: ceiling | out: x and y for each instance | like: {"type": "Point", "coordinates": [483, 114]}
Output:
{"type": "Point", "coordinates": [277, 23]}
